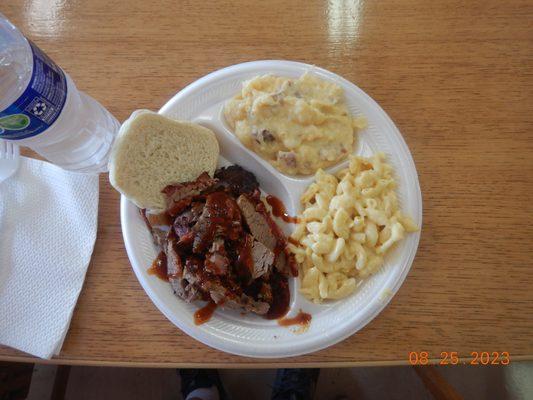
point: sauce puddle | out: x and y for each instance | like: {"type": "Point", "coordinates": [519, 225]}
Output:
{"type": "Point", "coordinates": [279, 210]}
{"type": "Point", "coordinates": [281, 296]}
{"type": "Point", "coordinates": [205, 313]}
{"type": "Point", "coordinates": [159, 267]}
{"type": "Point", "coordinates": [303, 319]}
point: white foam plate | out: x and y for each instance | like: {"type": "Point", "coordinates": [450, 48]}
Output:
{"type": "Point", "coordinates": [251, 335]}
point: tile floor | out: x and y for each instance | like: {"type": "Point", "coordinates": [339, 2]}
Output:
{"type": "Point", "coordinates": [90, 383]}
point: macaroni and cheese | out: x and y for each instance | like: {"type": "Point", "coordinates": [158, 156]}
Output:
{"type": "Point", "coordinates": [349, 221]}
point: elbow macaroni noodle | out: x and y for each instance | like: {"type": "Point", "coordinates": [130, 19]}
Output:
{"type": "Point", "coordinates": [349, 221]}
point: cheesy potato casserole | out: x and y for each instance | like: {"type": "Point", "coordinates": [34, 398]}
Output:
{"type": "Point", "coordinates": [297, 125]}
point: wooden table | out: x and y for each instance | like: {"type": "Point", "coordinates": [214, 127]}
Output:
{"type": "Point", "coordinates": [456, 77]}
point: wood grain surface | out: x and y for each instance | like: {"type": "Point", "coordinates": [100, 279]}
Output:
{"type": "Point", "coordinates": [455, 76]}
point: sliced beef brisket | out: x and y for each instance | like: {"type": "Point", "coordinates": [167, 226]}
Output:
{"type": "Point", "coordinates": [221, 243]}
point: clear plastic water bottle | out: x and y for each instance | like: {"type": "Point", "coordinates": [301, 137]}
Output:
{"type": "Point", "coordinates": [41, 108]}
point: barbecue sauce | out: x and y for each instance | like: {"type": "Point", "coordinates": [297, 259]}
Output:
{"type": "Point", "coordinates": [291, 262]}
{"type": "Point", "coordinates": [159, 267]}
{"type": "Point", "coordinates": [245, 262]}
{"type": "Point", "coordinates": [303, 319]}
{"type": "Point", "coordinates": [293, 241]}
{"type": "Point", "coordinates": [281, 297]}
{"type": "Point", "coordinates": [205, 313]}
{"type": "Point", "coordinates": [223, 218]}
{"type": "Point", "coordinates": [220, 215]}
{"type": "Point", "coordinates": [279, 210]}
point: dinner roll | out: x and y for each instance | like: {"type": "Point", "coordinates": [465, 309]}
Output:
{"type": "Point", "coordinates": [152, 151]}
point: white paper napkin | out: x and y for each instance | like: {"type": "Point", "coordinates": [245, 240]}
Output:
{"type": "Point", "coordinates": [48, 220]}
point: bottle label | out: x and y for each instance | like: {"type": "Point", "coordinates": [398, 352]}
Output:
{"type": "Point", "coordinates": [40, 104]}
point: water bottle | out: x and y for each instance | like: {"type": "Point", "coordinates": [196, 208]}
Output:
{"type": "Point", "coordinates": [41, 108]}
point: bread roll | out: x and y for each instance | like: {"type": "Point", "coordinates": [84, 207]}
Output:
{"type": "Point", "coordinates": [152, 151]}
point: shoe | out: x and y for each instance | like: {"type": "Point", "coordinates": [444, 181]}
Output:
{"type": "Point", "coordinates": [192, 379]}
{"type": "Point", "coordinates": [295, 384]}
